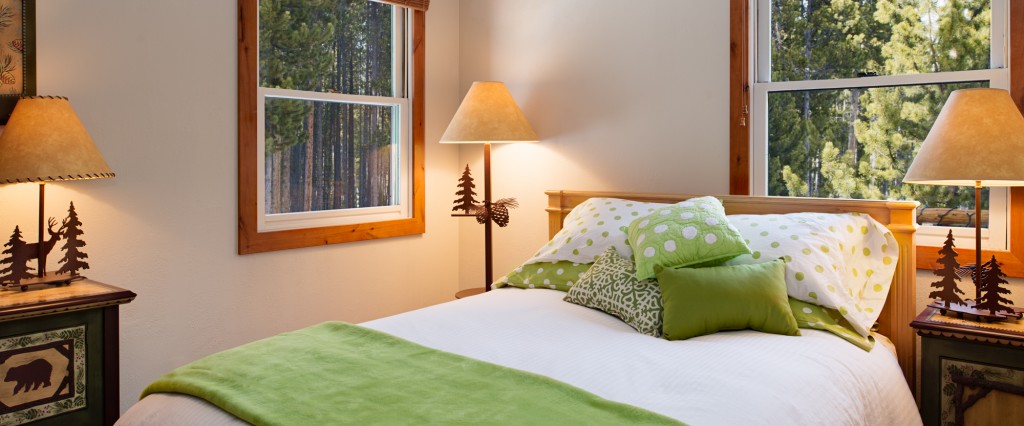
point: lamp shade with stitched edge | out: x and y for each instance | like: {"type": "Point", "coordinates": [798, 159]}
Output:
{"type": "Point", "coordinates": [45, 141]}
{"type": "Point", "coordinates": [977, 137]}
{"type": "Point", "coordinates": [488, 114]}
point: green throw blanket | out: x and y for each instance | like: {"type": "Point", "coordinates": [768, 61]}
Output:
{"type": "Point", "coordinates": [337, 373]}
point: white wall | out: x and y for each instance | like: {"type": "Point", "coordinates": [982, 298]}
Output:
{"type": "Point", "coordinates": [155, 84]}
{"type": "Point", "coordinates": [624, 95]}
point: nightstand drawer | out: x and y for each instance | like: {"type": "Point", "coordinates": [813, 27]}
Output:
{"type": "Point", "coordinates": [53, 367]}
{"type": "Point", "coordinates": [971, 374]}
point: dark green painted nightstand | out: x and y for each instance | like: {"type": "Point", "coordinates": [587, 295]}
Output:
{"type": "Point", "coordinates": [59, 354]}
{"type": "Point", "coordinates": [971, 372]}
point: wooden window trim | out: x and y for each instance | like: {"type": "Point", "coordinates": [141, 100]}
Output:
{"type": "Point", "coordinates": [739, 130]}
{"type": "Point", "coordinates": [251, 241]}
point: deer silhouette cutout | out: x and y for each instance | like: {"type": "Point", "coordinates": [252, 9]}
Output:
{"type": "Point", "coordinates": [22, 253]}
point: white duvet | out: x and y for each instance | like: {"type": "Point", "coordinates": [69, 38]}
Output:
{"type": "Point", "coordinates": [729, 378]}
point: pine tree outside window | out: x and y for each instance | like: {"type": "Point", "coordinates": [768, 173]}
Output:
{"type": "Point", "coordinates": [330, 122]}
{"type": "Point", "coordinates": [842, 94]}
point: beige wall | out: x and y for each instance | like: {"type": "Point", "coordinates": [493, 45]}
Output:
{"type": "Point", "coordinates": [624, 96]}
{"type": "Point", "coordinates": [155, 84]}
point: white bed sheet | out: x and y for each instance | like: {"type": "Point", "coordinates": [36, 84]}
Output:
{"type": "Point", "coordinates": [730, 378]}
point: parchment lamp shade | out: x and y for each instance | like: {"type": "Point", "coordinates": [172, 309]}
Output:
{"type": "Point", "coordinates": [45, 141]}
{"type": "Point", "coordinates": [977, 140]}
{"type": "Point", "coordinates": [487, 115]}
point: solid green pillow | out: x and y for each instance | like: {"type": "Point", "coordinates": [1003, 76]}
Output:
{"type": "Point", "coordinates": [699, 301]}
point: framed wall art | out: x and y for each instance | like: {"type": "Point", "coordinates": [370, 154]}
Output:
{"type": "Point", "coordinates": [17, 53]}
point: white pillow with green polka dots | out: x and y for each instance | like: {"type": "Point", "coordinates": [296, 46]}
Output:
{"type": "Point", "coordinates": [560, 275]}
{"type": "Point", "coordinates": [592, 227]}
{"type": "Point", "coordinates": [809, 315]}
{"type": "Point", "coordinates": [694, 232]}
{"type": "Point", "coordinates": [841, 261]}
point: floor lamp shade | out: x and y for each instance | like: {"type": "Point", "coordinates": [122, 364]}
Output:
{"type": "Point", "coordinates": [45, 141]}
{"type": "Point", "coordinates": [977, 139]}
{"type": "Point", "coordinates": [488, 114]}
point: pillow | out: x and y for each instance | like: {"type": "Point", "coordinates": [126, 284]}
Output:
{"type": "Point", "coordinates": [553, 275]}
{"type": "Point", "coordinates": [809, 315]}
{"type": "Point", "coordinates": [699, 301]}
{"type": "Point", "coordinates": [611, 286]}
{"type": "Point", "coordinates": [694, 232]}
{"type": "Point", "coordinates": [840, 261]}
{"type": "Point", "coordinates": [590, 228]}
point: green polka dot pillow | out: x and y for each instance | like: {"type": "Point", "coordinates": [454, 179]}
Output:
{"type": "Point", "coordinates": [591, 227]}
{"type": "Point", "coordinates": [694, 232]}
{"type": "Point", "coordinates": [611, 286]}
{"type": "Point", "coordinates": [552, 275]}
{"type": "Point", "coordinates": [809, 315]}
{"type": "Point", "coordinates": [840, 261]}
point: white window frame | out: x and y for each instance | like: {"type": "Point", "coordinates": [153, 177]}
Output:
{"type": "Point", "coordinates": [995, 236]}
{"type": "Point", "coordinates": [402, 184]}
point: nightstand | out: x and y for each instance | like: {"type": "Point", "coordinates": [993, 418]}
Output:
{"type": "Point", "coordinates": [469, 292]}
{"type": "Point", "coordinates": [59, 354]}
{"type": "Point", "coordinates": [971, 372]}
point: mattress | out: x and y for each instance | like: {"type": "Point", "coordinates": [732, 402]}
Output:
{"type": "Point", "coordinates": [737, 377]}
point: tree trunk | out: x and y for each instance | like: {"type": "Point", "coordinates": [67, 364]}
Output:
{"type": "Point", "coordinates": [307, 181]}
{"type": "Point", "coordinates": [851, 137]}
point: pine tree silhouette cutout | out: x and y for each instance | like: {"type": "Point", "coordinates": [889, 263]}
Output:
{"type": "Point", "coordinates": [466, 202]}
{"type": "Point", "coordinates": [18, 260]}
{"type": "Point", "coordinates": [991, 290]}
{"type": "Point", "coordinates": [947, 288]}
{"type": "Point", "coordinates": [73, 255]}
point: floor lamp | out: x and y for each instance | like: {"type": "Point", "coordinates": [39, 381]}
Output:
{"type": "Point", "coordinates": [487, 115]}
{"type": "Point", "coordinates": [977, 140]}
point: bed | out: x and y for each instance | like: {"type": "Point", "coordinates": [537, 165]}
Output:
{"type": "Point", "coordinates": [734, 377]}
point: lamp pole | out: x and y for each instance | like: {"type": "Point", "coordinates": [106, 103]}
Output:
{"type": "Point", "coordinates": [977, 241]}
{"type": "Point", "coordinates": [488, 264]}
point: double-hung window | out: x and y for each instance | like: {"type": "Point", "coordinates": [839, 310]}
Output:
{"type": "Point", "coordinates": [842, 93]}
{"type": "Point", "coordinates": [330, 154]}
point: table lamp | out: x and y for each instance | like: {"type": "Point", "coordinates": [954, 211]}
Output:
{"type": "Point", "coordinates": [44, 141]}
{"type": "Point", "coordinates": [977, 140]}
{"type": "Point", "coordinates": [487, 115]}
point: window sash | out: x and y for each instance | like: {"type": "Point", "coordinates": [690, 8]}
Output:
{"type": "Point", "coordinates": [401, 167]}
{"type": "Point", "coordinates": [995, 237]}
{"type": "Point", "coordinates": [250, 240]}
{"type": "Point", "coordinates": [741, 74]}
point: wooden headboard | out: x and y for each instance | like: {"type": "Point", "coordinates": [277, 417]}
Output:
{"type": "Point", "coordinates": [898, 216]}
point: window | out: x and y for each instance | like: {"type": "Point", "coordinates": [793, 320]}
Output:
{"type": "Point", "coordinates": [330, 122]}
{"type": "Point", "coordinates": [841, 94]}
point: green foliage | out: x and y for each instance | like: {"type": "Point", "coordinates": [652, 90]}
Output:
{"type": "Point", "coordinates": [858, 143]}
{"type": "Point", "coordinates": [326, 154]}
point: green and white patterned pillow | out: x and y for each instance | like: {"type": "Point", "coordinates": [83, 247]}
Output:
{"type": "Point", "coordinates": [611, 286]}
{"type": "Point", "coordinates": [552, 275]}
{"type": "Point", "coordinates": [841, 261]}
{"type": "Point", "coordinates": [809, 315]}
{"type": "Point", "coordinates": [592, 227]}
{"type": "Point", "coordinates": [694, 232]}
